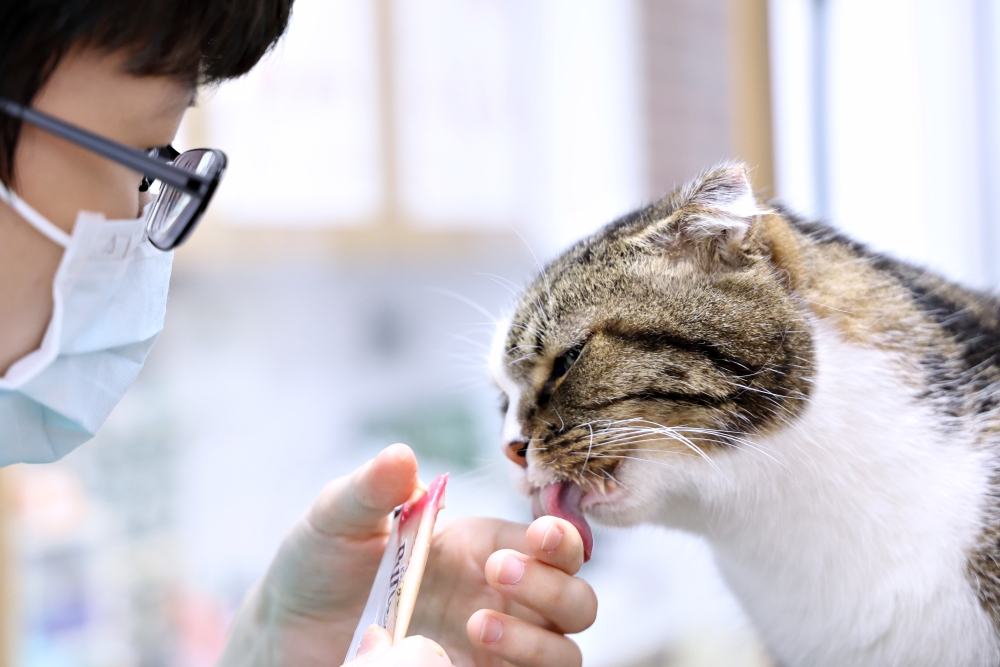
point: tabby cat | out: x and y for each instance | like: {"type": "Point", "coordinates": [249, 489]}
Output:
{"type": "Point", "coordinates": [826, 417]}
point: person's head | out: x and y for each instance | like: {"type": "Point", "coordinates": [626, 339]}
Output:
{"type": "Point", "coordinates": [82, 290]}
{"type": "Point", "coordinates": [125, 70]}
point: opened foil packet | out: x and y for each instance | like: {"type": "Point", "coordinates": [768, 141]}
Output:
{"type": "Point", "coordinates": [394, 593]}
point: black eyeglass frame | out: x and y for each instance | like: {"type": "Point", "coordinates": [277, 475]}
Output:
{"type": "Point", "coordinates": [197, 186]}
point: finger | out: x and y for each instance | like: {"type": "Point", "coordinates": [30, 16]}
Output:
{"type": "Point", "coordinates": [521, 643]}
{"type": "Point", "coordinates": [557, 542]}
{"type": "Point", "coordinates": [413, 651]}
{"type": "Point", "coordinates": [569, 603]}
{"type": "Point", "coordinates": [357, 504]}
{"type": "Point", "coordinates": [508, 535]}
{"type": "Point", "coordinates": [520, 611]}
{"type": "Point", "coordinates": [375, 640]}
{"type": "Point", "coordinates": [481, 536]}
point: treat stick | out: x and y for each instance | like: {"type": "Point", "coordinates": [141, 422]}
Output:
{"type": "Point", "coordinates": [410, 585]}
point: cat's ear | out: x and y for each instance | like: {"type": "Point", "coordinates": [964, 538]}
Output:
{"type": "Point", "coordinates": [711, 217]}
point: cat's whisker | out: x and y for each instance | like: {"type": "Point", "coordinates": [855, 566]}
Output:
{"type": "Point", "coordinates": [753, 452]}
{"type": "Point", "coordinates": [488, 466]}
{"type": "Point", "coordinates": [519, 359]}
{"type": "Point", "coordinates": [626, 454]}
{"type": "Point", "coordinates": [698, 449]}
{"type": "Point", "coordinates": [608, 475]}
{"type": "Point", "coordinates": [538, 265]}
{"type": "Point", "coordinates": [666, 433]}
{"type": "Point", "coordinates": [624, 440]}
{"type": "Point", "coordinates": [471, 341]}
{"type": "Point", "coordinates": [538, 447]}
{"type": "Point", "coordinates": [509, 285]}
{"type": "Point", "coordinates": [528, 329]}
{"type": "Point", "coordinates": [456, 389]}
{"type": "Point", "coordinates": [467, 301]}
{"type": "Point", "coordinates": [644, 460]}
{"type": "Point", "coordinates": [541, 311]}
{"type": "Point", "coordinates": [466, 362]}
{"type": "Point", "coordinates": [659, 436]}
{"type": "Point", "coordinates": [756, 390]}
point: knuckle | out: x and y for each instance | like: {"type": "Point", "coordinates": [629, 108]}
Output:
{"type": "Point", "coordinates": [535, 647]}
{"type": "Point", "coordinates": [581, 607]}
{"type": "Point", "coordinates": [590, 600]}
{"type": "Point", "coordinates": [537, 654]}
{"type": "Point", "coordinates": [571, 656]}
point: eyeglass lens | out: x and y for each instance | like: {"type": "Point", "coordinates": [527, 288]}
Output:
{"type": "Point", "coordinates": [168, 153]}
{"type": "Point", "coordinates": [175, 211]}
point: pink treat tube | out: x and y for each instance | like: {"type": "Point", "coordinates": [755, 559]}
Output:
{"type": "Point", "coordinates": [416, 529]}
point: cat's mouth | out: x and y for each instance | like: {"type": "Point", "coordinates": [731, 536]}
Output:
{"type": "Point", "coordinates": [568, 500]}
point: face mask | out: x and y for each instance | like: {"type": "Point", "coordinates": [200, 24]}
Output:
{"type": "Point", "coordinates": [109, 299]}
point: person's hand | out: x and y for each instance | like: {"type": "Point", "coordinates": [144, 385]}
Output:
{"type": "Point", "coordinates": [376, 650]}
{"type": "Point", "coordinates": [495, 592]}
{"type": "Point", "coordinates": [305, 609]}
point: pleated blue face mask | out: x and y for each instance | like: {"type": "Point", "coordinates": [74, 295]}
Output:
{"type": "Point", "coordinates": [109, 298]}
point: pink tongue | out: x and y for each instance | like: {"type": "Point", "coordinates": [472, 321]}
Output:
{"type": "Point", "coordinates": [562, 499]}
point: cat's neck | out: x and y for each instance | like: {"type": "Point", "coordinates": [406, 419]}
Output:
{"type": "Point", "coordinates": [852, 524]}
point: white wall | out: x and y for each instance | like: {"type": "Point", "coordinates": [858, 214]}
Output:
{"type": "Point", "coordinates": [591, 154]}
{"type": "Point", "coordinates": [898, 123]}
{"type": "Point", "coordinates": [793, 105]}
{"type": "Point", "coordinates": [508, 114]}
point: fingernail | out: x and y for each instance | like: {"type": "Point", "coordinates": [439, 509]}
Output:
{"type": "Point", "coordinates": [492, 631]}
{"type": "Point", "coordinates": [552, 537]}
{"type": "Point", "coordinates": [510, 570]}
{"type": "Point", "coordinates": [373, 637]}
{"type": "Point", "coordinates": [437, 647]}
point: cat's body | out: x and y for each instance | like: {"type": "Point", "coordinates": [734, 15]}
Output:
{"type": "Point", "coordinates": [856, 551]}
{"type": "Point", "coordinates": [825, 417]}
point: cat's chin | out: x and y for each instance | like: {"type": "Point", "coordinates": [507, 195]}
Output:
{"type": "Point", "coordinates": [625, 503]}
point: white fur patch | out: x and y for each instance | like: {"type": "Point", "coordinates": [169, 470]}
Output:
{"type": "Point", "coordinates": [497, 364]}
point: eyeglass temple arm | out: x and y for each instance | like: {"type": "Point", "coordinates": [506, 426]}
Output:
{"type": "Point", "coordinates": [130, 157]}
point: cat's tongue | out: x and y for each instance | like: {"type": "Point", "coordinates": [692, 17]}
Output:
{"type": "Point", "coordinates": [562, 499]}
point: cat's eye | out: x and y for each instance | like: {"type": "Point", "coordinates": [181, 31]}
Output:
{"type": "Point", "coordinates": [504, 404]}
{"type": "Point", "coordinates": [565, 361]}
{"type": "Point", "coordinates": [560, 367]}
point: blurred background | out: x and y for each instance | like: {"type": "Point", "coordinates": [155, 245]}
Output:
{"type": "Point", "coordinates": [398, 169]}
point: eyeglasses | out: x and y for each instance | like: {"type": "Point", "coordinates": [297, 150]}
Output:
{"type": "Point", "coordinates": [188, 180]}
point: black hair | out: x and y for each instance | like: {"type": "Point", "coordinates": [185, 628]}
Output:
{"type": "Point", "coordinates": [197, 41]}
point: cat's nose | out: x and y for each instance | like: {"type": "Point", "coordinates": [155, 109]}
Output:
{"type": "Point", "coordinates": [517, 451]}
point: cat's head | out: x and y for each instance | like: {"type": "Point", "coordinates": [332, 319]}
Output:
{"type": "Point", "coordinates": [649, 350]}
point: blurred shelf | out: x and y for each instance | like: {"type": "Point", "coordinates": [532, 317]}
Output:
{"type": "Point", "coordinates": [219, 244]}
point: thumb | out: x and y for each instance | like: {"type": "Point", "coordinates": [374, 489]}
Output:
{"type": "Point", "coordinates": [376, 640]}
{"type": "Point", "coordinates": [377, 650]}
{"type": "Point", "coordinates": [354, 505]}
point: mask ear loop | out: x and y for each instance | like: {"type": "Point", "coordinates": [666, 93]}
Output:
{"type": "Point", "coordinates": [33, 217]}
